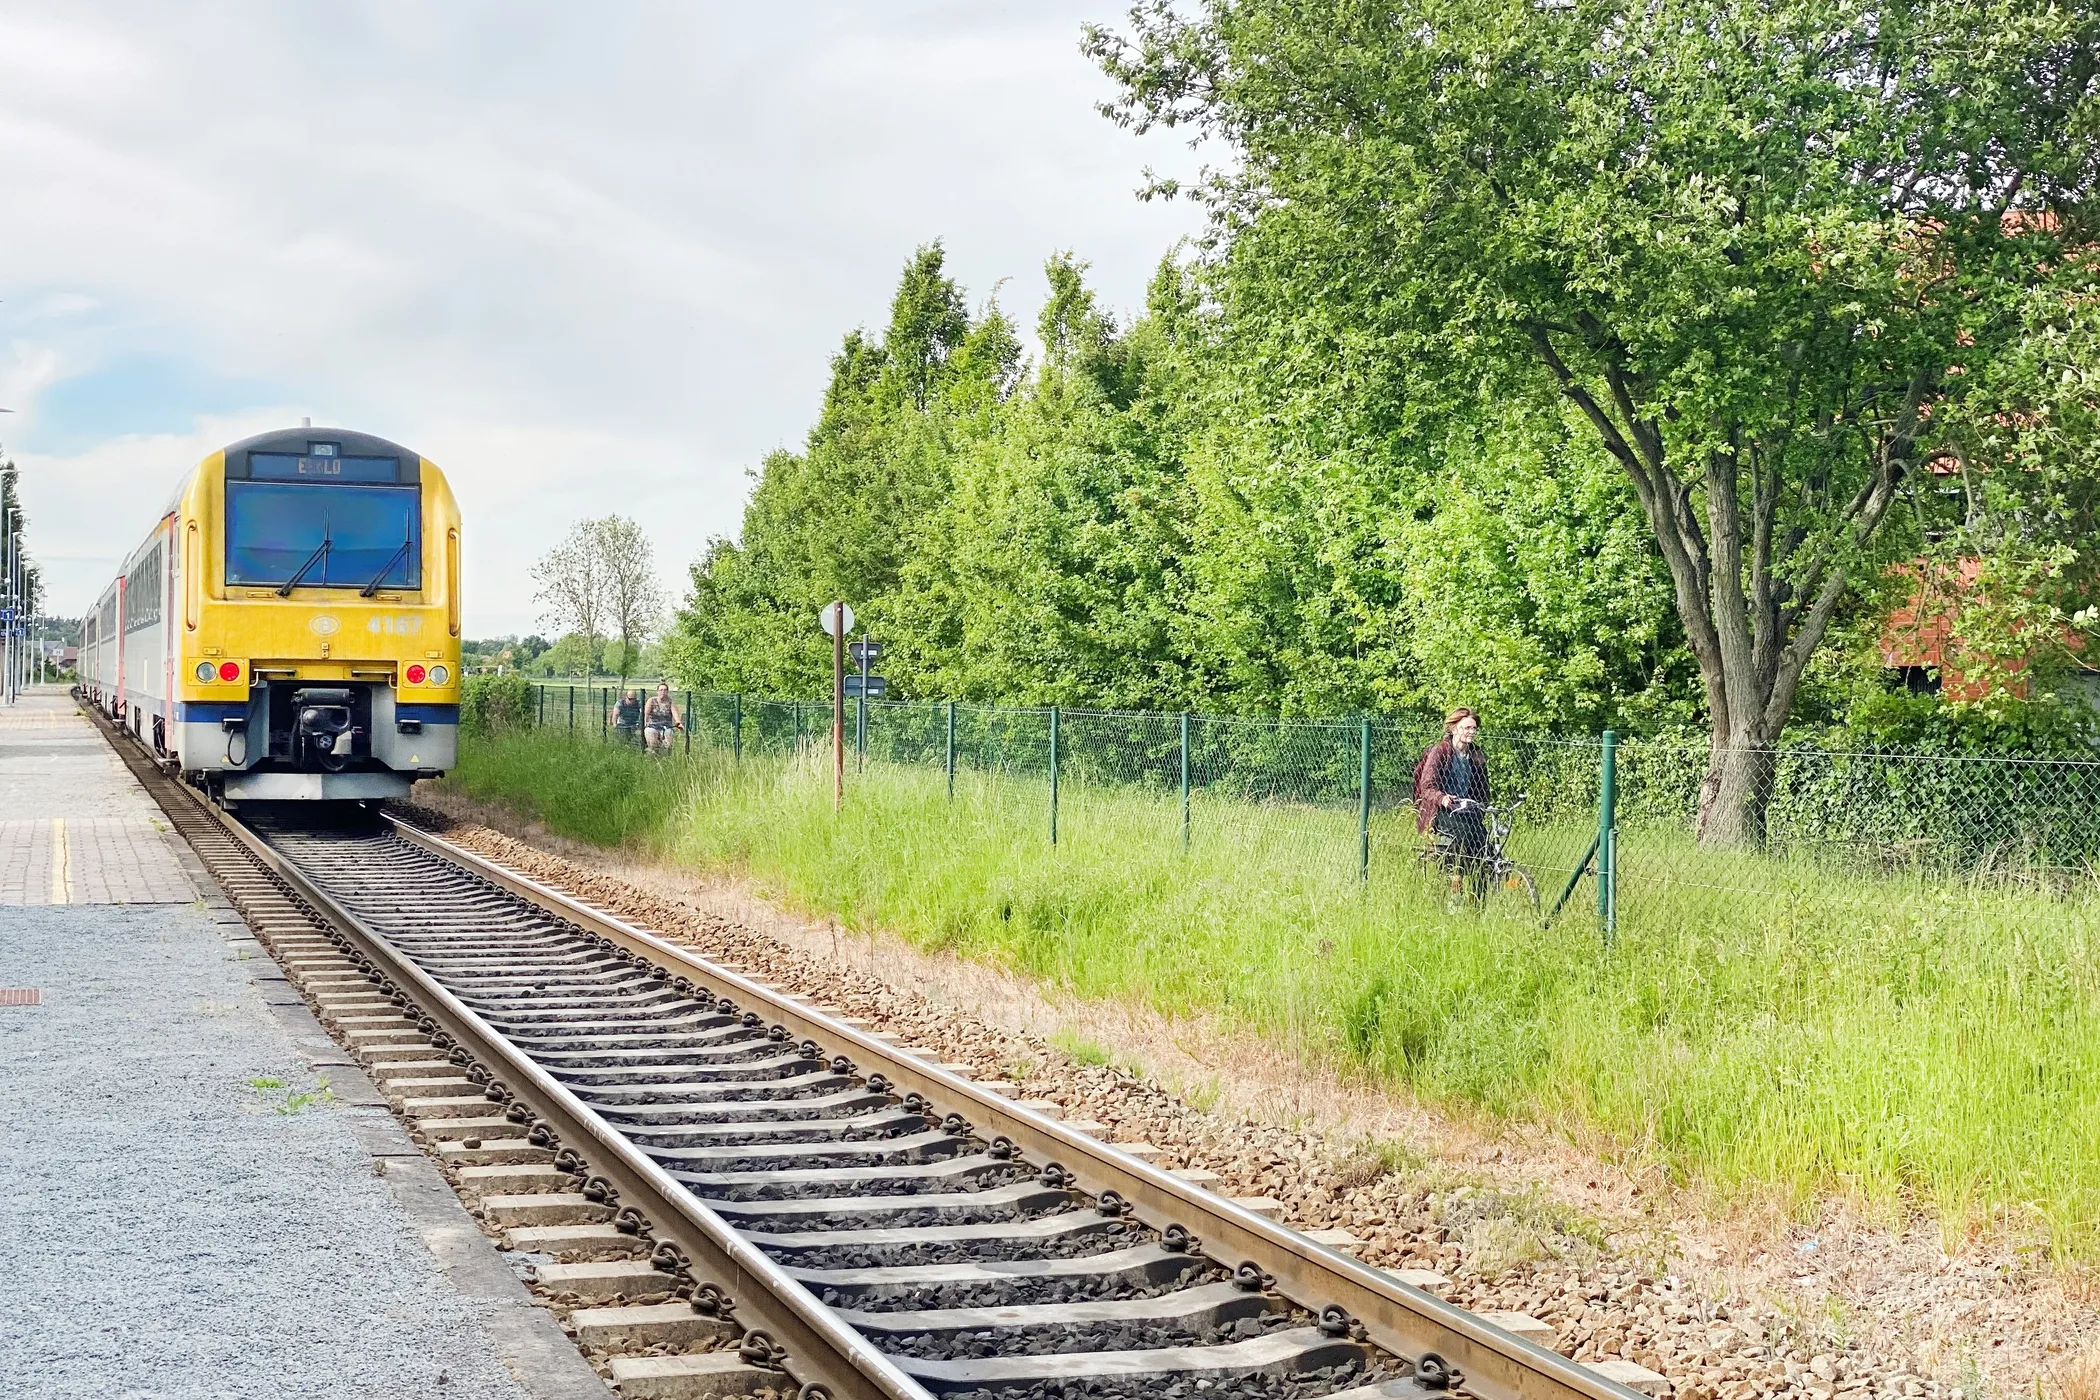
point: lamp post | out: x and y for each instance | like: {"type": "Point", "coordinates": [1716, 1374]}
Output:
{"type": "Point", "coordinates": [10, 592]}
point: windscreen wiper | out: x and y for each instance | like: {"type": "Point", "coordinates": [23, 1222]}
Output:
{"type": "Point", "coordinates": [285, 590]}
{"type": "Point", "coordinates": [386, 568]}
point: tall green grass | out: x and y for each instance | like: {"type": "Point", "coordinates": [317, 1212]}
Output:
{"type": "Point", "coordinates": [1767, 1028]}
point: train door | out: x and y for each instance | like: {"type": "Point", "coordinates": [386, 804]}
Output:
{"type": "Point", "coordinates": [164, 586]}
{"type": "Point", "coordinates": [117, 670]}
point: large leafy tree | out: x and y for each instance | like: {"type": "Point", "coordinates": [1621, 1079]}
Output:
{"type": "Point", "coordinates": [1761, 250]}
{"type": "Point", "coordinates": [13, 517]}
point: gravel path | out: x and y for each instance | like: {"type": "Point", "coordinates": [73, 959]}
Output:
{"type": "Point", "coordinates": [172, 1231]}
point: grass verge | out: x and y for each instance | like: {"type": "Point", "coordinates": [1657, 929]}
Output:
{"type": "Point", "coordinates": [1784, 1030]}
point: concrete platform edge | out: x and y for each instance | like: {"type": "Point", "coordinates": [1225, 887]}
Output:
{"type": "Point", "coordinates": [529, 1342]}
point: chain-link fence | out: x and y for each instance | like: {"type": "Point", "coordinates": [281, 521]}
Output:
{"type": "Point", "coordinates": [1579, 825]}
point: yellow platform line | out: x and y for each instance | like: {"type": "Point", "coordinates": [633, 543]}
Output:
{"type": "Point", "coordinates": [61, 863]}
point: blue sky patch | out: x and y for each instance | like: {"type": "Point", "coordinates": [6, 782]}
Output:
{"type": "Point", "coordinates": [138, 395]}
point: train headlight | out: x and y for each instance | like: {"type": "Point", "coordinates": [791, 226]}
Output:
{"type": "Point", "coordinates": [229, 670]}
{"type": "Point", "coordinates": [439, 675]}
{"type": "Point", "coordinates": [415, 675]}
{"type": "Point", "coordinates": [205, 671]}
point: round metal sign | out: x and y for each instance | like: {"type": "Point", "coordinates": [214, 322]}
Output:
{"type": "Point", "coordinates": [826, 620]}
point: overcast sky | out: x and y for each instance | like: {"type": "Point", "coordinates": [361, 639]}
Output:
{"type": "Point", "coordinates": [585, 258]}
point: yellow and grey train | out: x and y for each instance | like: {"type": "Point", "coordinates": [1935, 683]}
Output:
{"type": "Point", "coordinates": [289, 629]}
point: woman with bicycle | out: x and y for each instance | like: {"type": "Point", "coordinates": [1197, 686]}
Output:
{"type": "Point", "coordinates": [660, 719]}
{"type": "Point", "coordinates": [1452, 795]}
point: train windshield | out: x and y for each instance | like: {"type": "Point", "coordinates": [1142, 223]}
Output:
{"type": "Point", "coordinates": [342, 536]}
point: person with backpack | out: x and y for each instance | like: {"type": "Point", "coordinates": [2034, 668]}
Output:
{"type": "Point", "coordinates": [1452, 793]}
{"type": "Point", "coordinates": [627, 716]}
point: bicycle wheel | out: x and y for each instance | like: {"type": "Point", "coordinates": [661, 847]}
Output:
{"type": "Point", "coordinates": [1516, 883]}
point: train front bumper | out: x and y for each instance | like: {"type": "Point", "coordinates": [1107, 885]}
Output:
{"type": "Point", "coordinates": [269, 786]}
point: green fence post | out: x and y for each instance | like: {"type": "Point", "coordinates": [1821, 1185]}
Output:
{"type": "Point", "coordinates": [1053, 775]}
{"type": "Point", "coordinates": [951, 750]}
{"type": "Point", "coordinates": [796, 709]}
{"type": "Point", "coordinates": [689, 721]}
{"type": "Point", "coordinates": [1608, 838]}
{"type": "Point", "coordinates": [1184, 780]}
{"type": "Point", "coordinates": [736, 727]}
{"type": "Point", "coordinates": [604, 715]}
{"type": "Point", "coordinates": [539, 707]}
{"type": "Point", "coordinates": [1363, 801]}
{"type": "Point", "coordinates": [572, 709]}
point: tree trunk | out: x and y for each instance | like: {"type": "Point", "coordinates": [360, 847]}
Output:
{"type": "Point", "coordinates": [1756, 594]}
{"type": "Point", "coordinates": [1736, 793]}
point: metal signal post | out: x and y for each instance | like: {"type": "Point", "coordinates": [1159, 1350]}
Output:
{"type": "Point", "coordinates": [837, 619]}
{"type": "Point", "coordinates": [838, 708]}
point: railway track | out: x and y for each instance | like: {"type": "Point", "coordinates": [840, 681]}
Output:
{"type": "Point", "coordinates": [770, 1196]}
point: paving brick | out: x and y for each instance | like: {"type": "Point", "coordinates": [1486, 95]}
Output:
{"type": "Point", "coordinates": [79, 829]}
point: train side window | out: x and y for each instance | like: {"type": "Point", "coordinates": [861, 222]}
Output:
{"type": "Point", "coordinates": [452, 580]}
{"type": "Point", "coordinates": [192, 578]}
{"type": "Point", "coordinates": [142, 591]}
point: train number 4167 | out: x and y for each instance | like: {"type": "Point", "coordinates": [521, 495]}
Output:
{"type": "Point", "coordinates": [398, 625]}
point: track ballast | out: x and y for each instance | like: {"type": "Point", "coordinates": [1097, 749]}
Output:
{"type": "Point", "coordinates": [958, 1259]}
{"type": "Point", "coordinates": [799, 1206]}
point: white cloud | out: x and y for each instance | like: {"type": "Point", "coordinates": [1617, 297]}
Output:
{"type": "Point", "coordinates": [587, 259]}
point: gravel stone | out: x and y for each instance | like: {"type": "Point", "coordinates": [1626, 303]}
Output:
{"type": "Point", "coordinates": [170, 1232]}
{"type": "Point", "coordinates": [1107, 1237]}
{"type": "Point", "coordinates": [1307, 1385]}
{"type": "Point", "coordinates": [1020, 1291]}
{"type": "Point", "coordinates": [1091, 1336]}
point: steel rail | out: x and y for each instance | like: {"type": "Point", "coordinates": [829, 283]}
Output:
{"type": "Point", "coordinates": [818, 1350]}
{"type": "Point", "coordinates": [815, 1347]}
{"type": "Point", "coordinates": [1489, 1362]}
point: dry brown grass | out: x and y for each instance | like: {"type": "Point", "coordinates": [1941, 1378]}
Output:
{"type": "Point", "coordinates": [2077, 1379]}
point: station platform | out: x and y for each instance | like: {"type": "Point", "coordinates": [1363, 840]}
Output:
{"type": "Point", "coordinates": [202, 1195]}
{"type": "Point", "coordinates": [74, 827]}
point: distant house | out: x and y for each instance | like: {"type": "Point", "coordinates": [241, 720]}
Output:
{"type": "Point", "coordinates": [1918, 637]}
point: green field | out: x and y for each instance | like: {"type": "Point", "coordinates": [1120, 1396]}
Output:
{"type": "Point", "coordinates": [1757, 1027]}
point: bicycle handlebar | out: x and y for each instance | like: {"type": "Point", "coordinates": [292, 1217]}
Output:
{"type": "Point", "coordinates": [1468, 804]}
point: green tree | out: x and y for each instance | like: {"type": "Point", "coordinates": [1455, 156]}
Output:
{"type": "Point", "coordinates": [1761, 250]}
{"type": "Point", "coordinates": [840, 518]}
{"type": "Point", "coordinates": [1189, 511]}
{"type": "Point", "coordinates": [1050, 575]}
{"type": "Point", "coordinates": [1350, 553]}
{"type": "Point", "coordinates": [574, 655]}
{"type": "Point", "coordinates": [11, 513]}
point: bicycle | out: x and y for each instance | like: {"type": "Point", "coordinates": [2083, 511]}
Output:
{"type": "Point", "coordinates": [1490, 872]}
